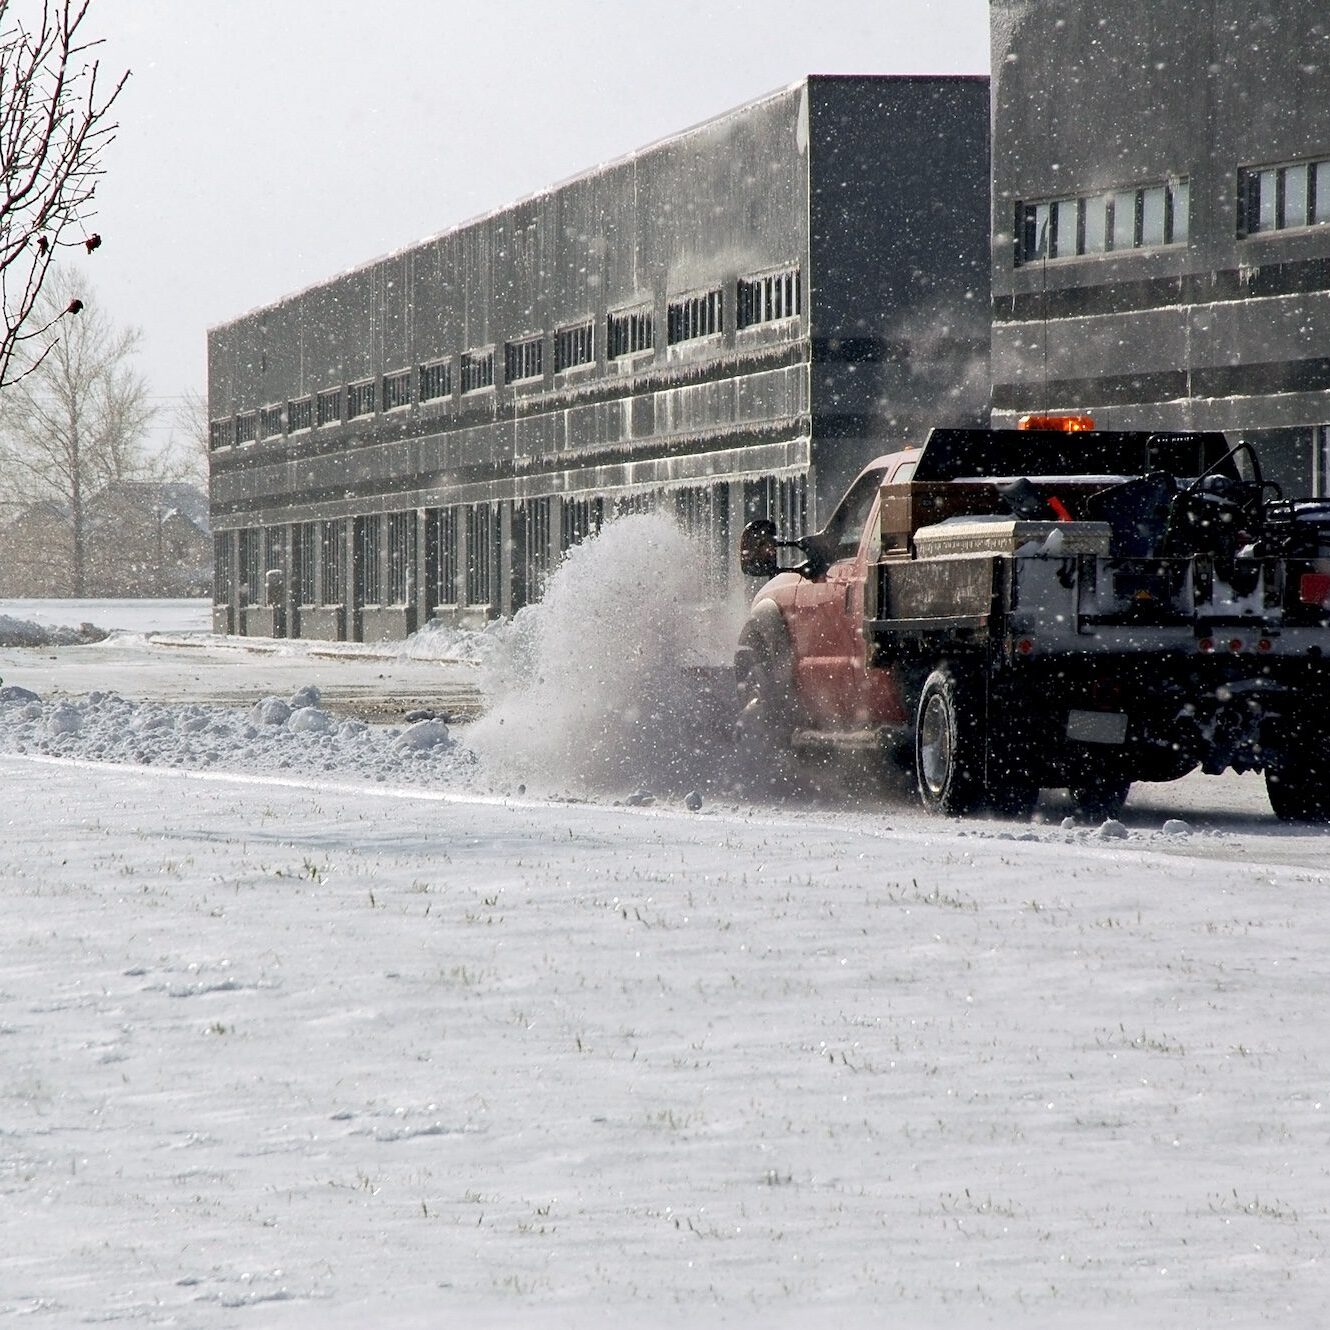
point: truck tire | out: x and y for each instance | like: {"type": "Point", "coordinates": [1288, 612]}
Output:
{"type": "Point", "coordinates": [1099, 798]}
{"type": "Point", "coordinates": [1299, 786]}
{"type": "Point", "coordinates": [949, 744]}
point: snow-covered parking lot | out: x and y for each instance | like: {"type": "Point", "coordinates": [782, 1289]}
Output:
{"type": "Point", "coordinates": [308, 1045]}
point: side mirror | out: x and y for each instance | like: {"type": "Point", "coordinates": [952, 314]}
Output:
{"type": "Point", "coordinates": [757, 549]}
{"type": "Point", "coordinates": [819, 554]}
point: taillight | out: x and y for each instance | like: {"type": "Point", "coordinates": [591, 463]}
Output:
{"type": "Point", "coordinates": [1314, 589]}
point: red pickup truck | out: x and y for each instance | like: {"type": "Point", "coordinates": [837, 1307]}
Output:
{"type": "Point", "coordinates": [1056, 607]}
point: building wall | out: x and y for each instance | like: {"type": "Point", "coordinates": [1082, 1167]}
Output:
{"type": "Point", "coordinates": [708, 231]}
{"type": "Point", "coordinates": [899, 255]}
{"type": "Point", "coordinates": [1222, 326]}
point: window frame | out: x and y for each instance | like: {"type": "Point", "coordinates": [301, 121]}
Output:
{"type": "Point", "coordinates": [221, 433]}
{"type": "Point", "coordinates": [270, 416]}
{"type": "Point", "coordinates": [574, 336]}
{"type": "Point", "coordinates": [639, 323]}
{"type": "Point", "coordinates": [526, 355]}
{"type": "Point", "coordinates": [391, 383]}
{"type": "Point", "coordinates": [756, 297]}
{"type": "Point", "coordinates": [695, 316]}
{"type": "Point", "coordinates": [322, 399]}
{"type": "Point", "coordinates": [1259, 217]}
{"type": "Point", "coordinates": [479, 359]}
{"type": "Point", "coordinates": [1067, 223]}
{"type": "Point", "coordinates": [361, 399]}
{"type": "Point", "coordinates": [442, 370]}
{"type": "Point", "coordinates": [300, 408]}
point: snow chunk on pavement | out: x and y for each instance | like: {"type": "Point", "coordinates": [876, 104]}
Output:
{"type": "Point", "coordinates": [308, 696]}
{"type": "Point", "coordinates": [309, 720]}
{"type": "Point", "coordinates": [1112, 830]}
{"type": "Point", "coordinates": [1175, 826]}
{"type": "Point", "coordinates": [64, 719]}
{"type": "Point", "coordinates": [151, 718]}
{"type": "Point", "coordinates": [271, 711]}
{"type": "Point", "coordinates": [424, 734]}
{"type": "Point", "coordinates": [12, 695]}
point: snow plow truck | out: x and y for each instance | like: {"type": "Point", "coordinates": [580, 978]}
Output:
{"type": "Point", "coordinates": [1054, 606]}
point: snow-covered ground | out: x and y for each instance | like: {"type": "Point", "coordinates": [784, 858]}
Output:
{"type": "Point", "coordinates": [307, 1023]}
{"type": "Point", "coordinates": [133, 616]}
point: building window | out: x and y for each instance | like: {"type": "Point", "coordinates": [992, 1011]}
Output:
{"type": "Point", "coordinates": [573, 346]}
{"type": "Point", "coordinates": [436, 380]}
{"type": "Point", "coordinates": [1142, 218]}
{"type": "Point", "coordinates": [1280, 198]}
{"type": "Point", "coordinates": [274, 556]}
{"type": "Point", "coordinates": [532, 523]}
{"type": "Point", "coordinates": [220, 433]}
{"type": "Point", "coordinates": [247, 427]}
{"type": "Point", "coordinates": [270, 422]}
{"type": "Point", "coordinates": [523, 360]}
{"type": "Point", "coordinates": [401, 558]}
{"type": "Point", "coordinates": [783, 501]}
{"type": "Point", "coordinates": [477, 371]}
{"type": "Point", "coordinates": [307, 559]}
{"type": "Point", "coordinates": [580, 518]}
{"type": "Point", "coordinates": [360, 400]}
{"type": "Point", "coordinates": [480, 532]}
{"type": "Point", "coordinates": [369, 582]}
{"type": "Point", "coordinates": [693, 316]}
{"type": "Point", "coordinates": [629, 331]}
{"type": "Point", "coordinates": [397, 390]}
{"type": "Point", "coordinates": [704, 514]}
{"type": "Point", "coordinates": [441, 556]}
{"type": "Point", "coordinates": [251, 566]}
{"type": "Point", "coordinates": [328, 407]}
{"type": "Point", "coordinates": [332, 560]}
{"type": "Point", "coordinates": [299, 415]}
{"type": "Point", "coordinates": [222, 568]}
{"type": "Point", "coordinates": [768, 298]}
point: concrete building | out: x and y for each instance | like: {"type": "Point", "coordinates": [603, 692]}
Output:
{"type": "Point", "coordinates": [1161, 219]}
{"type": "Point", "coordinates": [726, 323]}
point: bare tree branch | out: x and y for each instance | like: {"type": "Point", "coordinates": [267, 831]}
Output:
{"type": "Point", "coordinates": [54, 129]}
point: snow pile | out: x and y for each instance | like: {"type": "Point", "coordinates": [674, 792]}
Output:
{"type": "Point", "coordinates": [591, 685]}
{"type": "Point", "coordinates": [25, 633]}
{"type": "Point", "coordinates": [293, 736]}
{"type": "Point", "coordinates": [439, 641]}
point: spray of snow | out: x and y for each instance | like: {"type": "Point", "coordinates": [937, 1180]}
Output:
{"type": "Point", "coordinates": [597, 685]}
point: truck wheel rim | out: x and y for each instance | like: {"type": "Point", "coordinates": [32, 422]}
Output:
{"type": "Point", "coordinates": [935, 745]}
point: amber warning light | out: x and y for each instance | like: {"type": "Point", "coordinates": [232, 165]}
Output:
{"type": "Point", "coordinates": [1068, 424]}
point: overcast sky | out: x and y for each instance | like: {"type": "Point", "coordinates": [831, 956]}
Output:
{"type": "Point", "coordinates": [267, 144]}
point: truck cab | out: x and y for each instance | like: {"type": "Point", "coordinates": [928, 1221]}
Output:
{"type": "Point", "coordinates": [803, 648]}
